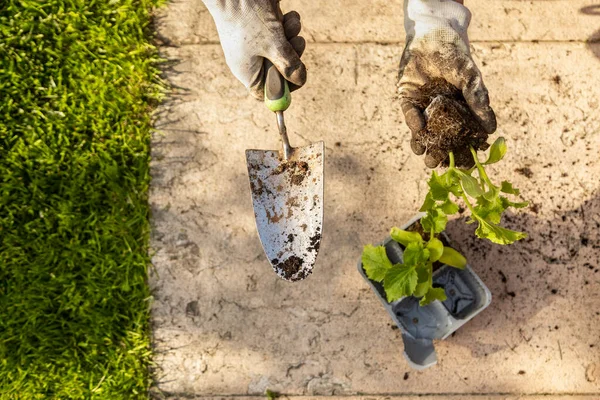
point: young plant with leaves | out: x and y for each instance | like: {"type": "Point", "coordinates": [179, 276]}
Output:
{"type": "Point", "coordinates": [486, 202]}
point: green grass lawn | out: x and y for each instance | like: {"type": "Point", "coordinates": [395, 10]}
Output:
{"type": "Point", "coordinates": [78, 80]}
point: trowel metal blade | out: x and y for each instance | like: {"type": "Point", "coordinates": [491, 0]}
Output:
{"type": "Point", "coordinates": [288, 204]}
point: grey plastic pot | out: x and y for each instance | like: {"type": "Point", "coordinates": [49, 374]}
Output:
{"type": "Point", "coordinates": [467, 297]}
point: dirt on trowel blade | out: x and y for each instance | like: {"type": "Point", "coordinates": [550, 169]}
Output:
{"type": "Point", "coordinates": [296, 171]}
{"type": "Point", "coordinates": [290, 267]}
{"type": "Point", "coordinates": [287, 196]}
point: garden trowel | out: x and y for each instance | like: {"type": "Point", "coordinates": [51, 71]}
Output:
{"type": "Point", "coordinates": [287, 192]}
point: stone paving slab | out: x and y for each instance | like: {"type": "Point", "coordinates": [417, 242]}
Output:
{"type": "Point", "coordinates": [397, 397]}
{"type": "Point", "coordinates": [224, 324]}
{"type": "Point", "coordinates": [188, 21]}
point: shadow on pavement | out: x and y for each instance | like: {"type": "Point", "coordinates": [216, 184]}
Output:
{"type": "Point", "coordinates": [559, 260]}
{"type": "Point", "coordinates": [593, 42]}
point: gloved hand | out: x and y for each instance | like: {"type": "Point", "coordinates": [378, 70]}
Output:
{"type": "Point", "coordinates": [252, 30]}
{"type": "Point", "coordinates": [437, 47]}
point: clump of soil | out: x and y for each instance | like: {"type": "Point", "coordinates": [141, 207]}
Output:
{"type": "Point", "coordinates": [451, 125]}
{"type": "Point", "coordinates": [525, 171]}
{"type": "Point", "coordinates": [296, 170]}
{"type": "Point", "coordinates": [315, 243]}
{"type": "Point", "coordinates": [289, 267]}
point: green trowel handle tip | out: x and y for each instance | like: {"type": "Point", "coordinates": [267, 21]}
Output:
{"type": "Point", "coordinates": [277, 90]}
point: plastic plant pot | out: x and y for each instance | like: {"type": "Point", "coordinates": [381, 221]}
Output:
{"type": "Point", "coordinates": [467, 297]}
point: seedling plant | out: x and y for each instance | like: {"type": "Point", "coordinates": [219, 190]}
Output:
{"type": "Point", "coordinates": [486, 202]}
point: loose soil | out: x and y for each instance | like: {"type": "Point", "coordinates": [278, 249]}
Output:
{"type": "Point", "coordinates": [296, 170]}
{"type": "Point", "coordinates": [451, 126]}
{"type": "Point", "coordinates": [290, 266]}
{"type": "Point", "coordinates": [525, 171]}
{"type": "Point", "coordinates": [315, 243]}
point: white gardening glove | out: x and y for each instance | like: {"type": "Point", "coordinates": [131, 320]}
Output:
{"type": "Point", "coordinates": [437, 47]}
{"type": "Point", "coordinates": [252, 30]}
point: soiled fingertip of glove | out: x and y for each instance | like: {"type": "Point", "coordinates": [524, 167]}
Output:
{"type": "Point", "coordinates": [478, 99]}
{"type": "Point", "coordinates": [291, 15]}
{"type": "Point", "coordinates": [292, 27]}
{"type": "Point", "coordinates": [417, 147]}
{"type": "Point", "coordinates": [433, 159]}
{"type": "Point", "coordinates": [486, 116]}
{"type": "Point", "coordinates": [488, 120]}
{"type": "Point", "coordinates": [414, 119]}
{"type": "Point", "coordinates": [463, 158]}
{"type": "Point", "coordinates": [468, 163]}
{"type": "Point", "coordinates": [257, 91]}
{"type": "Point", "coordinates": [296, 74]}
{"type": "Point", "coordinates": [299, 45]}
{"type": "Point", "coordinates": [257, 86]}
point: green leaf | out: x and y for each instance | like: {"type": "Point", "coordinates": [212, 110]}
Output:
{"type": "Point", "coordinates": [449, 207]}
{"type": "Point", "coordinates": [400, 281]}
{"type": "Point", "coordinates": [432, 295]}
{"type": "Point", "coordinates": [434, 219]}
{"type": "Point", "coordinates": [436, 249]}
{"type": "Point", "coordinates": [405, 237]}
{"type": "Point", "coordinates": [497, 234]}
{"type": "Point", "coordinates": [507, 187]}
{"type": "Point", "coordinates": [456, 190]}
{"type": "Point", "coordinates": [424, 280]}
{"type": "Point", "coordinates": [450, 178]}
{"type": "Point", "coordinates": [507, 203]}
{"type": "Point", "coordinates": [497, 151]}
{"type": "Point", "coordinates": [471, 186]}
{"type": "Point", "coordinates": [437, 187]}
{"type": "Point", "coordinates": [490, 210]}
{"type": "Point", "coordinates": [415, 254]}
{"type": "Point", "coordinates": [428, 203]}
{"type": "Point", "coordinates": [452, 181]}
{"type": "Point", "coordinates": [453, 258]}
{"type": "Point", "coordinates": [375, 262]}
{"type": "Point", "coordinates": [492, 194]}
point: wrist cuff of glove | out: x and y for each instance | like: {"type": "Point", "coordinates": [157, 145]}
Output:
{"type": "Point", "coordinates": [427, 17]}
{"type": "Point", "coordinates": [230, 15]}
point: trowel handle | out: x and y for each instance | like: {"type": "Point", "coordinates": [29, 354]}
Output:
{"type": "Point", "coordinates": [277, 90]}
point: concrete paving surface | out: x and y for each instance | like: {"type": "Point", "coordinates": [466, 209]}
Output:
{"type": "Point", "coordinates": [397, 397]}
{"type": "Point", "coordinates": [225, 326]}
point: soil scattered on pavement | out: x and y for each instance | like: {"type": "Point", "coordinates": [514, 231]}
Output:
{"type": "Point", "coordinates": [557, 79]}
{"type": "Point", "coordinates": [525, 171]}
{"type": "Point", "coordinates": [451, 126]}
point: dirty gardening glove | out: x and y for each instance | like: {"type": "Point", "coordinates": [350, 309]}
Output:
{"type": "Point", "coordinates": [252, 30]}
{"type": "Point", "coordinates": [437, 61]}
